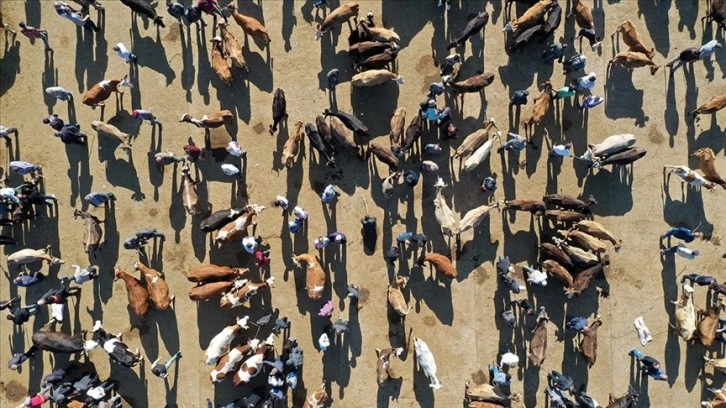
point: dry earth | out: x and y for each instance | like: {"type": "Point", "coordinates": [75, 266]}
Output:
{"type": "Point", "coordinates": [458, 319]}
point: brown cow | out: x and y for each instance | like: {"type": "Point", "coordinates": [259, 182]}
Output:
{"type": "Point", "coordinates": [476, 83]}
{"type": "Point", "coordinates": [292, 146]}
{"type": "Point", "coordinates": [714, 105]}
{"type": "Point", "coordinates": [707, 165]}
{"type": "Point", "coordinates": [212, 273]}
{"type": "Point", "coordinates": [138, 296]}
{"type": "Point", "coordinates": [441, 263]}
{"type": "Point", "coordinates": [395, 296]}
{"type": "Point", "coordinates": [535, 207]}
{"type": "Point", "coordinates": [709, 323]}
{"type": "Point", "coordinates": [541, 106]}
{"type": "Point", "coordinates": [530, 17]}
{"type": "Point", "coordinates": [212, 289]}
{"type": "Point", "coordinates": [219, 62]}
{"type": "Point", "coordinates": [632, 60]}
{"type": "Point", "coordinates": [318, 399]}
{"type": "Point", "coordinates": [538, 344]}
{"type": "Point", "coordinates": [103, 90]}
{"type": "Point", "coordinates": [588, 343]}
{"type": "Point", "coordinates": [583, 279]}
{"type": "Point", "coordinates": [314, 277]}
{"type": "Point", "coordinates": [336, 17]}
{"type": "Point", "coordinates": [384, 155]}
{"type": "Point", "coordinates": [632, 39]}
{"type": "Point", "coordinates": [156, 286]}
{"type": "Point", "coordinates": [250, 25]}
{"type": "Point", "coordinates": [232, 48]}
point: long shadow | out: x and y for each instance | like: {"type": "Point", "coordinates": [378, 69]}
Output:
{"type": "Point", "coordinates": [622, 99]}
{"type": "Point", "coordinates": [289, 21]}
{"type": "Point", "coordinates": [10, 65]}
{"type": "Point", "coordinates": [188, 70]}
{"type": "Point", "coordinates": [406, 17]}
{"type": "Point", "coordinates": [686, 211]}
{"type": "Point", "coordinates": [205, 72]}
{"type": "Point", "coordinates": [50, 78]}
{"type": "Point", "coordinates": [656, 22]}
{"type": "Point", "coordinates": [151, 53]}
{"type": "Point", "coordinates": [32, 14]}
{"type": "Point", "coordinates": [131, 387]}
{"type": "Point", "coordinates": [122, 173]}
{"type": "Point", "coordinates": [78, 172]}
{"type": "Point", "coordinates": [688, 14]}
{"type": "Point", "coordinates": [84, 54]}
{"type": "Point", "coordinates": [612, 188]}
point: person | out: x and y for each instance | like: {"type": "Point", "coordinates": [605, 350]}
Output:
{"type": "Point", "coordinates": [700, 280]}
{"type": "Point", "coordinates": [6, 132]}
{"type": "Point", "coordinates": [167, 157]}
{"type": "Point", "coordinates": [560, 381]}
{"type": "Point", "coordinates": [71, 134]}
{"type": "Point", "coordinates": [321, 242]}
{"type": "Point", "coordinates": [193, 152]}
{"type": "Point", "coordinates": [55, 122]}
{"type": "Point", "coordinates": [58, 296]}
{"type": "Point", "coordinates": [577, 323]}
{"type": "Point", "coordinates": [34, 33]}
{"type": "Point", "coordinates": [448, 4]}
{"type": "Point", "coordinates": [591, 101]}
{"type": "Point", "coordinates": [145, 115]}
{"type": "Point", "coordinates": [429, 110]}
{"type": "Point", "coordinates": [295, 225]}
{"type": "Point", "coordinates": [587, 82]}
{"type": "Point", "coordinates": [19, 358]}
{"type": "Point", "coordinates": [98, 199]}
{"type": "Point", "coordinates": [99, 392]}
{"type": "Point", "coordinates": [300, 213]}
{"type": "Point", "coordinates": [689, 55]}
{"type": "Point", "coordinates": [281, 202]}
{"type": "Point", "coordinates": [517, 143]}
{"type": "Point", "coordinates": [708, 49]}
{"type": "Point", "coordinates": [498, 376]}
{"type": "Point", "coordinates": [25, 279]}
{"type": "Point", "coordinates": [681, 250]}
{"type": "Point", "coordinates": [519, 98]}
{"type": "Point", "coordinates": [262, 256]}
{"type": "Point", "coordinates": [5, 304]}
{"type": "Point", "coordinates": [249, 243]}
{"type": "Point", "coordinates": [564, 150]}
{"type": "Point", "coordinates": [211, 7]}
{"type": "Point", "coordinates": [23, 167]}
{"type": "Point", "coordinates": [161, 370]}
{"type": "Point", "coordinates": [650, 365]}
{"type": "Point", "coordinates": [554, 52]}
{"type": "Point", "coordinates": [338, 238]}
{"type": "Point", "coordinates": [682, 233]}
{"type": "Point", "coordinates": [574, 63]}
{"type": "Point", "coordinates": [591, 36]}
{"type": "Point", "coordinates": [565, 92]}
{"type": "Point", "coordinates": [489, 184]}
{"type": "Point", "coordinates": [332, 77]}
{"type": "Point", "coordinates": [65, 11]}
{"type": "Point", "coordinates": [20, 315]}
{"type": "Point", "coordinates": [411, 177]}
{"type": "Point", "coordinates": [329, 194]}
{"type": "Point", "coordinates": [436, 89]}
{"type": "Point", "coordinates": [124, 53]}
{"type": "Point", "coordinates": [450, 68]}
{"type": "Point", "coordinates": [433, 148]}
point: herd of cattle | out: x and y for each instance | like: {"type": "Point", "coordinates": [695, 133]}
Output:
{"type": "Point", "coordinates": [576, 255]}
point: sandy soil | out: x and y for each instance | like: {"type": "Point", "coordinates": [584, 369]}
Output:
{"type": "Point", "coordinates": [459, 320]}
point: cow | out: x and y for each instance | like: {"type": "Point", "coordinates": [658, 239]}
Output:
{"type": "Point", "coordinates": [714, 105]}
{"type": "Point", "coordinates": [190, 196]}
{"type": "Point", "coordinates": [210, 121]}
{"type": "Point", "coordinates": [336, 17]}
{"type": "Point", "coordinates": [115, 348]}
{"type": "Point", "coordinates": [219, 62]}
{"type": "Point", "coordinates": [474, 25]}
{"type": "Point", "coordinates": [632, 60]}
{"type": "Point", "coordinates": [212, 273]}
{"type": "Point", "coordinates": [541, 106]}
{"type": "Point", "coordinates": [632, 39]}
{"type": "Point", "coordinates": [279, 109]}
{"type": "Point", "coordinates": [689, 176]}
{"type": "Point", "coordinates": [103, 90]}
{"type": "Point", "coordinates": [137, 295]}
{"type": "Point", "coordinates": [375, 77]}
{"type": "Point", "coordinates": [250, 25]}
{"type": "Point", "coordinates": [27, 256]}
{"type": "Point", "coordinates": [384, 363]}
{"type": "Point", "coordinates": [685, 314]}
{"type": "Point", "coordinates": [530, 17]}
{"type": "Point", "coordinates": [219, 344]}
{"type": "Point", "coordinates": [426, 361]}
{"type": "Point", "coordinates": [707, 165]}
{"type": "Point", "coordinates": [156, 286]}
{"type": "Point", "coordinates": [314, 277]}
{"type": "Point", "coordinates": [113, 132]}
{"type": "Point", "coordinates": [441, 263]}
{"type": "Point", "coordinates": [538, 344]}
{"type": "Point", "coordinates": [292, 146]}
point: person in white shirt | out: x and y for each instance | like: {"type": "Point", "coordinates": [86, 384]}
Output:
{"type": "Point", "coordinates": [83, 275]}
{"type": "Point", "coordinates": [681, 250]}
{"type": "Point", "coordinates": [64, 10]}
{"type": "Point", "coordinates": [509, 359]}
{"type": "Point", "coordinates": [564, 150]}
{"type": "Point", "coordinates": [124, 53]}
{"type": "Point", "coordinates": [587, 82]}
{"type": "Point", "coordinates": [708, 49]}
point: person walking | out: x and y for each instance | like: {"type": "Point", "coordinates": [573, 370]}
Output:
{"type": "Point", "coordinates": [161, 370]}
{"type": "Point", "coordinates": [35, 33]}
{"type": "Point", "coordinates": [66, 11]}
{"type": "Point", "coordinates": [649, 365]}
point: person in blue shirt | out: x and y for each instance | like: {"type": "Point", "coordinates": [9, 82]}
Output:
{"type": "Point", "coordinates": [649, 365]}
{"type": "Point", "coordinates": [683, 234]}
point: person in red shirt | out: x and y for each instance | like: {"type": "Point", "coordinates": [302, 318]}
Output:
{"type": "Point", "coordinates": [211, 7]}
{"type": "Point", "coordinates": [33, 33]}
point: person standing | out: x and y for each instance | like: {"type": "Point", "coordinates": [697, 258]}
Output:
{"type": "Point", "coordinates": [35, 33]}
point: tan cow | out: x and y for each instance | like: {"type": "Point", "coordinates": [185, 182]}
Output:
{"type": "Point", "coordinates": [707, 165]}
{"type": "Point", "coordinates": [632, 60]}
{"type": "Point", "coordinates": [714, 105]}
{"type": "Point", "coordinates": [219, 61]}
{"type": "Point", "coordinates": [250, 25]}
{"type": "Point", "coordinates": [632, 39]}
{"type": "Point", "coordinates": [156, 286]}
{"type": "Point", "coordinates": [336, 17]}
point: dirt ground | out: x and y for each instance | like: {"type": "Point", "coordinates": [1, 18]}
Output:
{"type": "Point", "coordinates": [459, 320]}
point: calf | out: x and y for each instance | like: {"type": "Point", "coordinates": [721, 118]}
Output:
{"type": "Point", "coordinates": [27, 255]}
{"type": "Point", "coordinates": [685, 314]}
{"type": "Point", "coordinates": [714, 105]}
{"type": "Point", "coordinates": [211, 121]}
{"type": "Point", "coordinates": [230, 362]}
{"type": "Point", "coordinates": [395, 296]}
{"type": "Point", "coordinates": [707, 165]}
{"type": "Point", "coordinates": [597, 230]}
{"type": "Point", "coordinates": [239, 226]}
{"type": "Point", "coordinates": [541, 107]}
{"type": "Point", "coordinates": [538, 344]}
{"type": "Point", "coordinates": [709, 323]}
{"type": "Point", "coordinates": [279, 109]}
{"type": "Point", "coordinates": [336, 17]}
{"type": "Point", "coordinates": [476, 83]}
{"type": "Point", "coordinates": [190, 196]}
{"type": "Point", "coordinates": [156, 286]}
{"type": "Point", "coordinates": [314, 276]}
{"type": "Point", "coordinates": [113, 132]}
{"type": "Point", "coordinates": [426, 361]}
{"type": "Point", "coordinates": [211, 273]}
{"type": "Point", "coordinates": [238, 296]}
{"type": "Point", "coordinates": [567, 202]}
{"type": "Point", "coordinates": [115, 348]}
{"type": "Point", "coordinates": [632, 39]}
{"type": "Point", "coordinates": [588, 343]}
{"type": "Point", "coordinates": [253, 365]}
{"type": "Point", "coordinates": [92, 232]}
{"type": "Point", "coordinates": [219, 62]}
{"type": "Point", "coordinates": [632, 60]}
{"type": "Point", "coordinates": [623, 158]}
{"type": "Point", "coordinates": [219, 219]}
{"type": "Point", "coordinates": [384, 364]}
{"type": "Point", "coordinates": [318, 399]}
{"type": "Point", "coordinates": [292, 146]}
{"type": "Point", "coordinates": [531, 17]}
{"type": "Point", "coordinates": [474, 25]}
{"type": "Point", "coordinates": [145, 9]}
{"type": "Point", "coordinates": [103, 90]}
{"type": "Point", "coordinates": [689, 176]}
{"type": "Point", "coordinates": [441, 263]}
{"type": "Point", "coordinates": [584, 240]}
{"type": "Point", "coordinates": [250, 25]}
{"type": "Point", "coordinates": [222, 340]}
{"type": "Point", "coordinates": [384, 155]}
{"type": "Point", "coordinates": [476, 139]}
{"type": "Point", "coordinates": [138, 297]}
{"type": "Point", "coordinates": [59, 342]}
{"type": "Point", "coordinates": [535, 207]}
